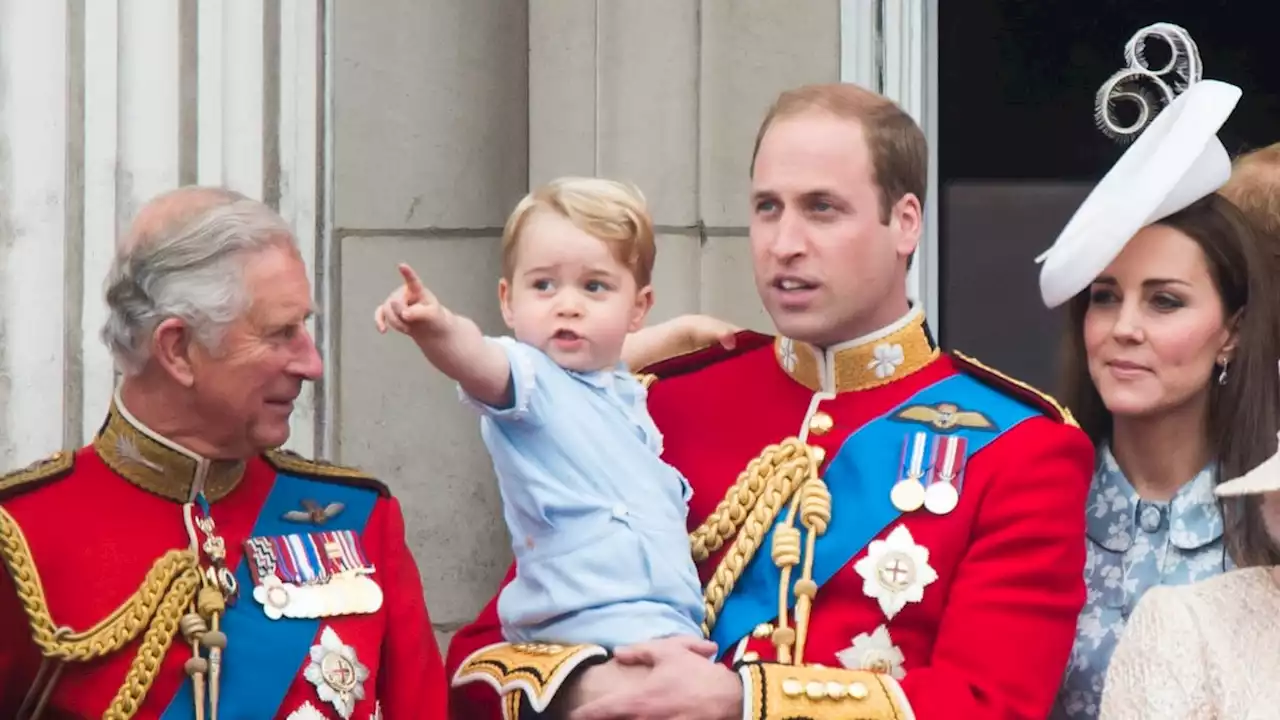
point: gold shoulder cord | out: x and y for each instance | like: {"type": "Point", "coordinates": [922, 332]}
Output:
{"type": "Point", "coordinates": [290, 461]}
{"type": "Point", "coordinates": [169, 587]}
{"type": "Point", "coordinates": [1067, 417]}
{"type": "Point", "coordinates": [786, 473]}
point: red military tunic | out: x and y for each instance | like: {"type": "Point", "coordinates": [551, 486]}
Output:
{"type": "Point", "coordinates": [81, 532]}
{"type": "Point", "coordinates": [986, 609]}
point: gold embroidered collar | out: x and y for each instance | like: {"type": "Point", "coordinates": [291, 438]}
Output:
{"type": "Point", "coordinates": [160, 466]}
{"type": "Point", "coordinates": [870, 361]}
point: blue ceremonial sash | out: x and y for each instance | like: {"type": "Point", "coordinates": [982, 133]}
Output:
{"type": "Point", "coordinates": [859, 478]}
{"type": "Point", "coordinates": [264, 656]}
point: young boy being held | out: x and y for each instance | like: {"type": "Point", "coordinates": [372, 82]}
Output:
{"type": "Point", "coordinates": [597, 519]}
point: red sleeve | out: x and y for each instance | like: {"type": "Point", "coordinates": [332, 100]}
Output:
{"type": "Point", "coordinates": [19, 658]}
{"type": "Point", "coordinates": [1005, 638]}
{"type": "Point", "coordinates": [476, 701]}
{"type": "Point", "coordinates": [412, 683]}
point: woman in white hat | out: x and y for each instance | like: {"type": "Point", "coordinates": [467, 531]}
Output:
{"type": "Point", "coordinates": [1171, 358]}
{"type": "Point", "coordinates": [1212, 649]}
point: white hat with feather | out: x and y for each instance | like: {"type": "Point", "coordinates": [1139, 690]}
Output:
{"type": "Point", "coordinates": [1176, 159]}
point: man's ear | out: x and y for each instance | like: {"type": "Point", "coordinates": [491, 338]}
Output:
{"type": "Point", "coordinates": [504, 301]}
{"type": "Point", "coordinates": [906, 221]}
{"type": "Point", "coordinates": [644, 303]}
{"type": "Point", "coordinates": [171, 347]}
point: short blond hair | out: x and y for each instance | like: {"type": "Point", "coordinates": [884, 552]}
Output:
{"type": "Point", "coordinates": [612, 211]}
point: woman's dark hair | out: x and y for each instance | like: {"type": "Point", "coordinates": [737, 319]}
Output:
{"type": "Point", "coordinates": [1245, 412]}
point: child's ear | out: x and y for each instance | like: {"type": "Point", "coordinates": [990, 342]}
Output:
{"type": "Point", "coordinates": [644, 303]}
{"type": "Point", "coordinates": [504, 301]}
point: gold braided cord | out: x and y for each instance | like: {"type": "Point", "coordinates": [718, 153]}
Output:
{"type": "Point", "coordinates": [157, 606]}
{"type": "Point", "coordinates": [723, 522]}
{"type": "Point", "coordinates": [117, 630]}
{"type": "Point", "coordinates": [778, 472]}
{"type": "Point", "coordinates": [815, 516]}
{"type": "Point", "coordinates": [1067, 418]}
{"type": "Point", "coordinates": [155, 645]}
{"type": "Point", "coordinates": [786, 555]}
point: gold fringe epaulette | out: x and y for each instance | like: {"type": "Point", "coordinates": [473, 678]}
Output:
{"type": "Point", "coordinates": [536, 670]}
{"type": "Point", "coordinates": [291, 462]}
{"type": "Point", "coordinates": [645, 379]}
{"type": "Point", "coordinates": [36, 474]}
{"type": "Point", "coordinates": [155, 609]}
{"type": "Point", "coordinates": [1017, 388]}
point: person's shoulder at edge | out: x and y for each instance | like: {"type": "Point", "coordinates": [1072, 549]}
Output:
{"type": "Point", "coordinates": [1012, 387]}
{"type": "Point", "coordinates": [746, 343]}
{"type": "Point", "coordinates": [36, 475]}
{"type": "Point", "coordinates": [324, 471]}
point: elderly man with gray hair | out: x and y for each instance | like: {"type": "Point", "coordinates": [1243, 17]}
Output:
{"type": "Point", "coordinates": [181, 565]}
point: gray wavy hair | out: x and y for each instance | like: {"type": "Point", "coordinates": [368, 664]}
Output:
{"type": "Point", "coordinates": [190, 268]}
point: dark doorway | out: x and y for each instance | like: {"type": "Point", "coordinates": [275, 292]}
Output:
{"type": "Point", "coordinates": [1018, 148]}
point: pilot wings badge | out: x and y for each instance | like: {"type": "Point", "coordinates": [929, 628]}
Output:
{"type": "Point", "coordinates": [945, 417]}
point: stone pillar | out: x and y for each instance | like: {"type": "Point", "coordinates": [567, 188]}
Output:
{"type": "Point", "coordinates": [445, 114]}
{"type": "Point", "coordinates": [429, 154]}
{"type": "Point", "coordinates": [668, 94]}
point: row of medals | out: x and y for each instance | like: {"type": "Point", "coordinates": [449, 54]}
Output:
{"type": "Point", "coordinates": [910, 494]}
{"type": "Point", "coordinates": [351, 592]}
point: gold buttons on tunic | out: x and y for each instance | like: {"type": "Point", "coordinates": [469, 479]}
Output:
{"type": "Point", "coordinates": [821, 423]}
{"type": "Point", "coordinates": [818, 454]}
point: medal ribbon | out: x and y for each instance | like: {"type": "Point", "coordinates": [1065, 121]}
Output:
{"type": "Point", "coordinates": [264, 657]}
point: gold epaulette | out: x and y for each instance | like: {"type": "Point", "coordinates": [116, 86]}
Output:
{"type": "Point", "coordinates": [36, 474]}
{"type": "Point", "coordinates": [645, 379]}
{"type": "Point", "coordinates": [778, 692]}
{"type": "Point", "coordinates": [1017, 388]}
{"type": "Point", "coordinates": [291, 462]}
{"type": "Point", "coordinates": [534, 670]}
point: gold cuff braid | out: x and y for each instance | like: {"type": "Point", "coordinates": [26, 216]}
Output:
{"type": "Point", "coordinates": [155, 608]}
{"type": "Point", "coordinates": [518, 670]}
{"type": "Point", "coordinates": [775, 692]}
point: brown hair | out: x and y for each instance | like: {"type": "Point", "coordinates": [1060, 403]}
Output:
{"type": "Point", "coordinates": [1254, 187]}
{"type": "Point", "coordinates": [899, 152]}
{"type": "Point", "coordinates": [1245, 412]}
{"type": "Point", "coordinates": [612, 211]}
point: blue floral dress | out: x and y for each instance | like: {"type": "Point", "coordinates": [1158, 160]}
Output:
{"type": "Point", "coordinates": [1132, 545]}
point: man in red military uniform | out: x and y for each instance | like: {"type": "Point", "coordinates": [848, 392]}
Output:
{"type": "Point", "coordinates": [179, 566]}
{"type": "Point", "coordinates": [884, 530]}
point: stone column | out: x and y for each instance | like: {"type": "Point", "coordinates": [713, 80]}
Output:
{"type": "Point", "coordinates": [429, 151]}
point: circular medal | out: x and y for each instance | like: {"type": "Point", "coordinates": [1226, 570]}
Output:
{"type": "Point", "coordinates": [941, 498]}
{"type": "Point", "coordinates": [338, 672]}
{"type": "Point", "coordinates": [907, 494]}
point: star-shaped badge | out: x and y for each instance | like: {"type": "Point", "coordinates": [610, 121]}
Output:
{"type": "Point", "coordinates": [306, 712]}
{"type": "Point", "coordinates": [895, 571]}
{"type": "Point", "coordinates": [875, 652]}
{"type": "Point", "coordinates": [337, 674]}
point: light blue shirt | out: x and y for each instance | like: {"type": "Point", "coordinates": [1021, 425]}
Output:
{"type": "Point", "coordinates": [597, 519]}
{"type": "Point", "coordinates": [1133, 545]}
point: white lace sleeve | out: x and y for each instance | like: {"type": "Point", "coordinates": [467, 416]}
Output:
{"type": "Point", "coordinates": [1159, 670]}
